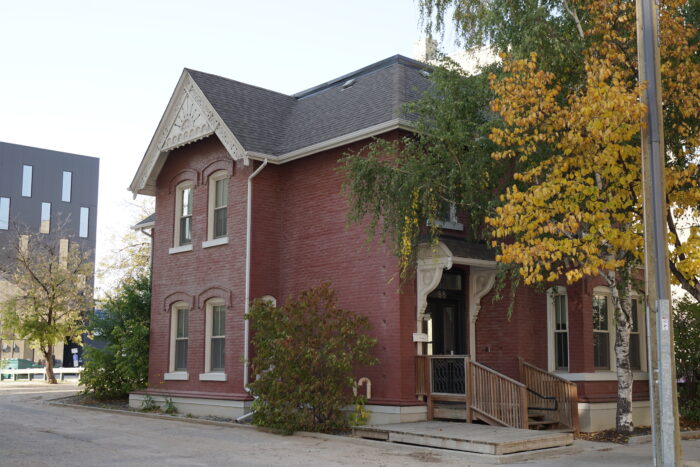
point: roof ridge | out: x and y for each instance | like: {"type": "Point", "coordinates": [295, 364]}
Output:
{"type": "Point", "coordinates": [393, 60]}
{"type": "Point", "coordinates": [189, 70]}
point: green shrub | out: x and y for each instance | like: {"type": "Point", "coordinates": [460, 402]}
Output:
{"type": "Point", "coordinates": [122, 366]}
{"type": "Point", "coordinates": [305, 353]}
{"type": "Point", "coordinates": [686, 328]}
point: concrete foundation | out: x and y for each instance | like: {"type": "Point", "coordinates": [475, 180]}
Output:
{"type": "Point", "coordinates": [197, 406]}
{"type": "Point", "coordinates": [601, 416]}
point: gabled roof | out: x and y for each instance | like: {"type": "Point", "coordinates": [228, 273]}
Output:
{"type": "Point", "coordinates": [256, 123]}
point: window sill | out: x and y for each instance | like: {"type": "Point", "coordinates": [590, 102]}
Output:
{"type": "Point", "coordinates": [176, 376]}
{"type": "Point", "coordinates": [450, 225]}
{"type": "Point", "coordinates": [600, 376]}
{"type": "Point", "coordinates": [215, 242]}
{"type": "Point", "coordinates": [212, 377]}
{"type": "Point", "coordinates": [180, 249]}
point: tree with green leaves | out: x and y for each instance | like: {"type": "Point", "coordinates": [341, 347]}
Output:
{"type": "Point", "coordinates": [567, 136]}
{"type": "Point", "coordinates": [123, 323]}
{"type": "Point", "coordinates": [49, 291]}
{"type": "Point", "coordinates": [305, 355]}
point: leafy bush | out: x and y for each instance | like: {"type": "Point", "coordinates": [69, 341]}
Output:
{"type": "Point", "coordinates": [687, 342]}
{"type": "Point", "coordinates": [305, 353]}
{"type": "Point", "coordinates": [122, 366]}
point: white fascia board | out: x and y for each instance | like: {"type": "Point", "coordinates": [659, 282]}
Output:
{"type": "Point", "coordinates": [332, 143]}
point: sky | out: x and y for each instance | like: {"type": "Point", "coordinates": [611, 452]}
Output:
{"type": "Point", "coordinates": [94, 77]}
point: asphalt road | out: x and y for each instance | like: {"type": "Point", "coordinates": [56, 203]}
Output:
{"type": "Point", "coordinates": [36, 433]}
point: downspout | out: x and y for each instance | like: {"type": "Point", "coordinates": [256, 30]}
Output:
{"type": "Point", "coordinates": [246, 324]}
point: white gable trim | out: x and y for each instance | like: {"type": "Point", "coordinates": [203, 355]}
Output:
{"type": "Point", "coordinates": [188, 117]}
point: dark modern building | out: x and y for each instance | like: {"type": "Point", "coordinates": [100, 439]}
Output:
{"type": "Point", "coordinates": [42, 191]}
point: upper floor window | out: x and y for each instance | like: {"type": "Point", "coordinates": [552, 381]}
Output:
{"type": "Point", "coordinates": [183, 216]}
{"type": "Point", "coordinates": [67, 186]}
{"type": "Point", "coordinates": [447, 218]}
{"type": "Point", "coordinates": [218, 205]}
{"type": "Point", "coordinates": [4, 213]}
{"type": "Point", "coordinates": [27, 181]}
{"type": "Point", "coordinates": [45, 226]}
{"type": "Point", "coordinates": [558, 324]}
{"type": "Point", "coordinates": [84, 222]}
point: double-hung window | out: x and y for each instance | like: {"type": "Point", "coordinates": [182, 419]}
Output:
{"type": "Point", "coordinates": [179, 342]}
{"type": "Point", "coordinates": [215, 343]}
{"type": "Point", "coordinates": [604, 325]}
{"type": "Point", "coordinates": [601, 332]}
{"type": "Point", "coordinates": [217, 228]}
{"type": "Point", "coordinates": [184, 198]}
{"type": "Point", "coordinates": [558, 324]}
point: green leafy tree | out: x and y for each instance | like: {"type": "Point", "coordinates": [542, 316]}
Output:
{"type": "Point", "coordinates": [124, 323]}
{"type": "Point", "coordinates": [686, 330]}
{"type": "Point", "coordinates": [305, 354]}
{"type": "Point", "coordinates": [48, 293]}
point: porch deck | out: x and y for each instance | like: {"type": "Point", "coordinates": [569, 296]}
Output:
{"type": "Point", "coordinates": [469, 437]}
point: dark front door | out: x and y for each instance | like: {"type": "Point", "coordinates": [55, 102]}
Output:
{"type": "Point", "coordinates": [447, 323]}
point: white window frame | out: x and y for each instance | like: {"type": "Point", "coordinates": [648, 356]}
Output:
{"type": "Point", "coordinates": [641, 321]}
{"type": "Point", "coordinates": [209, 374]}
{"type": "Point", "coordinates": [452, 223]}
{"type": "Point", "coordinates": [27, 175]}
{"type": "Point", "coordinates": [552, 293]}
{"type": "Point", "coordinates": [67, 186]}
{"type": "Point", "coordinates": [211, 207]}
{"type": "Point", "coordinates": [179, 192]}
{"type": "Point", "coordinates": [172, 374]}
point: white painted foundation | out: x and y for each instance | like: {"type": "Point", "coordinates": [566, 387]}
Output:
{"type": "Point", "coordinates": [197, 406]}
{"type": "Point", "coordinates": [601, 416]}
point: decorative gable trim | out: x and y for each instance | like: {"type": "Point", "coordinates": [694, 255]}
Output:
{"type": "Point", "coordinates": [189, 117]}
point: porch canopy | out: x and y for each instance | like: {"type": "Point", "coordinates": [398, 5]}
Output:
{"type": "Point", "coordinates": [433, 259]}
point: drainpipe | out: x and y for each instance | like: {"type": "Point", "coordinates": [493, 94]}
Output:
{"type": "Point", "coordinates": [246, 324]}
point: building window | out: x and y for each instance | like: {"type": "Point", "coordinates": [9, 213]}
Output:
{"type": "Point", "coordinates": [447, 217]}
{"type": "Point", "coordinates": [183, 218]}
{"type": "Point", "coordinates": [215, 348]}
{"type": "Point", "coordinates": [558, 324]}
{"type": "Point", "coordinates": [635, 336]}
{"type": "Point", "coordinates": [4, 213]}
{"type": "Point", "coordinates": [27, 181]}
{"type": "Point", "coordinates": [84, 222]}
{"type": "Point", "coordinates": [218, 205]}
{"type": "Point", "coordinates": [66, 190]}
{"type": "Point", "coordinates": [45, 226]}
{"type": "Point", "coordinates": [604, 324]}
{"type": "Point", "coordinates": [180, 338]}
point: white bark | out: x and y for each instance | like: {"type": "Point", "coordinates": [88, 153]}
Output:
{"type": "Point", "coordinates": [623, 314]}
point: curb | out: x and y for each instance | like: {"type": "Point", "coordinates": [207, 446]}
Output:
{"type": "Point", "coordinates": [635, 440]}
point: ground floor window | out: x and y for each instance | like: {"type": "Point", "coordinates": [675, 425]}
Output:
{"type": "Point", "coordinates": [604, 325]}
{"type": "Point", "coordinates": [558, 325]}
{"type": "Point", "coordinates": [179, 337]}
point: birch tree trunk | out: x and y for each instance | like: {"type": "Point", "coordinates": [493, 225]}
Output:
{"type": "Point", "coordinates": [623, 314]}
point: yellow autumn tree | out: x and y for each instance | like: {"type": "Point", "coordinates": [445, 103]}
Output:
{"type": "Point", "coordinates": [576, 210]}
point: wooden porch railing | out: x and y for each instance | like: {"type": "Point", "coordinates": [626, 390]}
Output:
{"type": "Point", "coordinates": [547, 384]}
{"type": "Point", "coordinates": [496, 398]}
{"type": "Point", "coordinates": [487, 394]}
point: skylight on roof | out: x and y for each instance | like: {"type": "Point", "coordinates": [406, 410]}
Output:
{"type": "Point", "coordinates": [348, 83]}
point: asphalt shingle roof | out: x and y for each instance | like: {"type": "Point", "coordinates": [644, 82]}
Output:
{"type": "Point", "coordinates": [272, 123]}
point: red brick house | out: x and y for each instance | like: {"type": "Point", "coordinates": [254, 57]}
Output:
{"type": "Point", "coordinates": [249, 205]}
